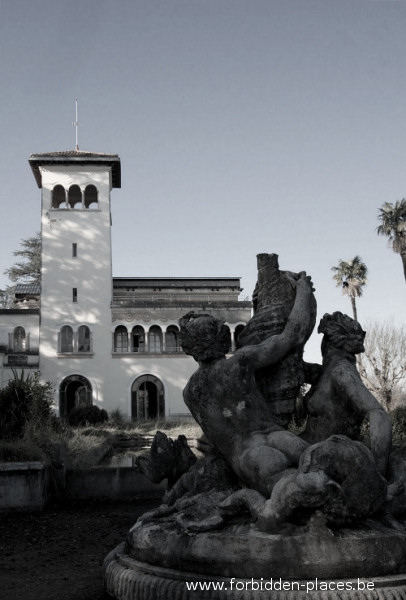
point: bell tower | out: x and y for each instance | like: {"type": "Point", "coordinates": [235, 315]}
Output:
{"type": "Point", "coordinates": [76, 271]}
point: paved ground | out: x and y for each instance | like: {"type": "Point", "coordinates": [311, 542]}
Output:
{"type": "Point", "coordinates": [57, 554]}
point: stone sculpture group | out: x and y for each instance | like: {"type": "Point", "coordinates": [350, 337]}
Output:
{"type": "Point", "coordinates": [262, 498]}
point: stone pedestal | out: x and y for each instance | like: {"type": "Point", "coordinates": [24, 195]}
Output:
{"type": "Point", "coordinates": [128, 579]}
{"type": "Point", "coordinates": [243, 564]}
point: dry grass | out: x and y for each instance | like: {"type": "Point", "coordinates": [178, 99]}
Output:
{"type": "Point", "coordinates": [88, 446]}
{"type": "Point", "coordinates": [172, 428]}
{"type": "Point", "coordinates": [86, 450]}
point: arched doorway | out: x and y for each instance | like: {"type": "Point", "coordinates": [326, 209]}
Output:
{"type": "Point", "coordinates": [147, 398]}
{"type": "Point", "coordinates": [74, 390]}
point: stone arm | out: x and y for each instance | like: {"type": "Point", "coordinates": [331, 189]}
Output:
{"type": "Point", "coordinates": [273, 349]}
{"type": "Point", "coordinates": [346, 379]}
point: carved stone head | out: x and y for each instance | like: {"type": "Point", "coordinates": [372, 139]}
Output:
{"type": "Point", "coordinates": [204, 337]}
{"type": "Point", "coordinates": [342, 332]}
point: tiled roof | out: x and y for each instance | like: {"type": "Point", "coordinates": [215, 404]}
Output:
{"type": "Point", "coordinates": [177, 282]}
{"type": "Point", "coordinates": [73, 154]}
{"type": "Point", "coordinates": [30, 289]}
{"type": "Point", "coordinates": [78, 157]}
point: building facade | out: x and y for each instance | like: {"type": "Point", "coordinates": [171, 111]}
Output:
{"type": "Point", "coordinates": [112, 342]}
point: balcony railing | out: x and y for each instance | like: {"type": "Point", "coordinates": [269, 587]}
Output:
{"type": "Point", "coordinates": [191, 302]}
{"type": "Point", "coordinates": [177, 350]}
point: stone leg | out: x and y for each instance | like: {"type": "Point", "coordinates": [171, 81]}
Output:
{"type": "Point", "coordinates": [295, 490]}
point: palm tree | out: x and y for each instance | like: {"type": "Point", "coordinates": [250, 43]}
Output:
{"type": "Point", "coordinates": [393, 225]}
{"type": "Point", "coordinates": [351, 276]}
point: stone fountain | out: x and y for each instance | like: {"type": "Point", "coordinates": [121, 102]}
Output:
{"type": "Point", "coordinates": [268, 513]}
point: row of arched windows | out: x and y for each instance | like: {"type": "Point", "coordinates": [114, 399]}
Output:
{"type": "Point", "coordinates": [155, 340]}
{"type": "Point", "coordinates": [75, 341]}
{"type": "Point", "coordinates": [138, 340]}
{"type": "Point", "coordinates": [75, 197]}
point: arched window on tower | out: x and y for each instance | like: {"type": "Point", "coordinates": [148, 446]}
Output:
{"type": "Point", "coordinates": [121, 339]}
{"type": "Point", "coordinates": [83, 339]}
{"type": "Point", "coordinates": [172, 339]}
{"type": "Point", "coordinates": [58, 197]}
{"type": "Point", "coordinates": [91, 199]}
{"type": "Point", "coordinates": [66, 339]}
{"type": "Point", "coordinates": [75, 197]}
{"type": "Point", "coordinates": [155, 339]}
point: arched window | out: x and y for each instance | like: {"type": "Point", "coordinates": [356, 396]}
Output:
{"type": "Point", "coordinates": [237, 332]}
{"type": "Point", "coordinates": [66, 339]}
{"type": "Point", "coordinates": [83, 339]}
{"type": "Point", "coordinates": [172, 339]}
{"type": "Point", "coordinates": [74, 391]}
{"type": "Point", "coordinates": [138, 339]}
{"type": "Point", "coordinates": [58, 197]}
{"type": "Point", "coordinates": [155, 339]}
{"type": "Point", "coordinates": [75, 196]}
{"type": "Point", "coordinates": [121, 339]}
{"type": "Point", "coordinates": [19, 340]}
{"type": "Point", "coordinates": [147, 398]}
{"type": "Point", "coordinates": [91, 200]}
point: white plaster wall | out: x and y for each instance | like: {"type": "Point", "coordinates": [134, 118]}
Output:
{"type": "Point", "coordinates": [90, 272]}
{"type": "Point", "coordinates": [111, 376]}
{"type": "Point", "coordinates": [30, 322]}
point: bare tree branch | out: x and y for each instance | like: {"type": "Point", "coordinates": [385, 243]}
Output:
{"type": "Point", "coordinates": [383, 365]}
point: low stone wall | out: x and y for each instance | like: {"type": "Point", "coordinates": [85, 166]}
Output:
{"type": "Point", "coordinates": [109, 482]}
{"type": "Point", "coordinates": [23, 485]}
{"type": "Point", "coordinates": [28, 485]}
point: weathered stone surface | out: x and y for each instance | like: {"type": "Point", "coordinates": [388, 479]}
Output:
{"type": "Point", "coordinates": [339, 402]}
{"type": "Point", "coordinates": [128, 579]}
{"type": "Point", "coordinates": [273, 300]}
{"type": "Point", "coordinates": [270, 504]}
{"type": "Point", "coordinates": [167, 459]}
{"type": "Point", "coordinates": [337, 476]}
{"type": "Point", "coordinates": [224, 398]}
{"type": "Point", "coordinates": [242, 551]}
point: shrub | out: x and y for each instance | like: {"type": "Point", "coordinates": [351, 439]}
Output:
{"type": "Point", "coordinates": [25, 404]}
{"type": "Point", "coordinates": [116, 417]}
{"type": "Point", "coordinates": [87, 415]}
{"type": "Point", "coordinates": [21, 451]}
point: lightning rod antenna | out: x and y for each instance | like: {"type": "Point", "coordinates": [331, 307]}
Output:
{"type": "Point", "coordinates": [76, 125]}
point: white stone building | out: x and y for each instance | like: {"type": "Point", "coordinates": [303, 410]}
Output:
{"type": "Point", "coordinates": [112, 342]}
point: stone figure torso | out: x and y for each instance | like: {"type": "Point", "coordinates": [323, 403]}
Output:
{"type": "Point", "coordinates": [329, 410]}
{"type": "Point", "coordinates": [224, 400]}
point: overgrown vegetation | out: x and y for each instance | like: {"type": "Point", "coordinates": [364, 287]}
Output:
{"type": "Point", "coordinates": [88, 445]}
{"type": "Point", "coordinates": [26, 418]}
{"type": "Point", "coordinates": [87, 415]}
{"type": "Point", "coordinates": [25, 406]}
{"type": "Point", "coordinates": [29, 431]}
{"type": "Point", "coordinates": [86, 449]}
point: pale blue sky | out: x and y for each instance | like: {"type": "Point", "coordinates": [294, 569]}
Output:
{"type": "Point", "coordinates": [243, 126]}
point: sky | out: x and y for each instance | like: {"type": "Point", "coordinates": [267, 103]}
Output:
{"type": "Point", "coordinates": [243, 126]}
